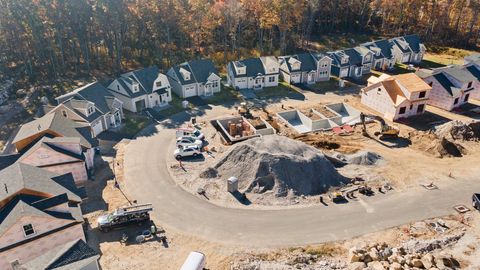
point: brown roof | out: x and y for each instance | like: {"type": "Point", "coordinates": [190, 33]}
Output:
{"type": "Point", "coordinates": [393, 90]}
{"type": "Point", "coordinates": [412, 82]}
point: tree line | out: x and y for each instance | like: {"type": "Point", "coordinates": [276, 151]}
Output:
{"type": "Point", "coordinates": [54, 38]}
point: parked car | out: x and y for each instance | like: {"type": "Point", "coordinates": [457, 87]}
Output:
{"type": "Point", "coordinates": [187, 141]}
{"type": "Point", "coordinates": [192, 132]}
{"type": "Point", "coordinates": [189, 151]}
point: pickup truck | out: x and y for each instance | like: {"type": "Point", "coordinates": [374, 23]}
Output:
{"type": "Point", "coordinates": [476, 201]}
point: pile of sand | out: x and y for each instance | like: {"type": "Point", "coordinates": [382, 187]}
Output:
{"type": "Point", "coordinates": [458, 130]}
{"type": "Point", "coordinates": [360, 158]}
{"type": "Point", "coordinates": [431, 143]}
{"type": "Point", "coordinates": [279, 165]}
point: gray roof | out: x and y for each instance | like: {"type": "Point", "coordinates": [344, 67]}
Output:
{"type": "Point", "coordinates": [397, 42]}
{"type": "Point", "coordinates": [146, 77]}
{"type": "Point", "coordinates": [57, 123]}
{"type": "Point", "coordinates": [73, 255]}
{"type": "Point", "coordinates": [355, 59]}
{"type": "Point", "coordinates": [200, 71]}
{"type": "Point", "coordinates": [460, 73]}
{"type": "Point", "coordinates": [445, 82]}
{"type": "Point", "coordinates": [308, 62]}
{"type": "Point", "coordinates": [21, 176]}
{"type": "Point", "coordinates": [473, 58]}
{"type": "Point", "coordinates": [47, 143]}
{"type": "Point", "coordinates": [414, 42]}
{"type": "Point", "coordinates": [253, 66]}
{"type": "Point", "coordinates": [474, 71]}
{"type": "Point", "coordinates": [7, 160]}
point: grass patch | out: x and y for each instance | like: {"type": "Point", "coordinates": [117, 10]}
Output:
{"type": "Point", "coordinates": [331, 85]}
{"type": "Point", "coordinates": [227, 94]}
{"type": "Point", "coordinates": [133, 123]}
{"type": "Point", "coordinates": [282, 90]}
{"type": "Point", "coordinates": [175, 106]}
{"type": "Point", "coordinates": [328, 250]}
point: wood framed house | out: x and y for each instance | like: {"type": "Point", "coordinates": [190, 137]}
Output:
{"type": "Point", "coordinates": [194, 78]}
{"type": "Point", "coordinates": [384, 58]}
{"type": "Point", "coordinates": [92, 105]}
{"type": "Point", "coordinates": [305, 68]}
{"type": "Point", "coordinates": [39, 212]}
{"type": "Point", "coordinates": [141, 89]}
{"type": "Point", "coordinates": [451, 86]}
{"type": "Point", "coordinates": [253, 73]}
{"type": "Point", "coordinates": [396, 97]}
{"type": "Point", "coordinates": [62, 135]}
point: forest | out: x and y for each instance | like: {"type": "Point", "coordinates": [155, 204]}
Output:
{"type": "Point", "coordinates": [48, 39]}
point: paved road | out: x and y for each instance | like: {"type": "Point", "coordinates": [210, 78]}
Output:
{"type": "Point", "coordinates": [148, 180]}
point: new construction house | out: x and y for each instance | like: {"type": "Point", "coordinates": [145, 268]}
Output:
{"type": "Point", "coordinates": [194, 78]}
{"type": "Point", "coordinates": [396, 97]}
{"type": "Point", "coordinates": [306, 68]}
{"type": "Point", "coordinates": [253, 73]}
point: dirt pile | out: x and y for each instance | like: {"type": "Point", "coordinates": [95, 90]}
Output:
{"type": "Point", "coordinates": [361, 158]}
{"type": "Point", "coordinates": [280, 166]}
{"type": "Point", "coordinates": [458, 130]}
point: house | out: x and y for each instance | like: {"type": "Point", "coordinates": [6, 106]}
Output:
{"type": "Point", "coordinates": [383, 54]}
{"type": "Point", "coordinates": [61, 135]}
{"type": "Point", "coordinates": [451, 86]}
{"type": "Point", "coordinates": [39, 211]}
{"type": "Point", "coordinates": [194, 78]}
{"type": "Point", "coordinates": [60, 155]}
{"type": "Point", "coordinates": [253, 73]}
{"type": "Point", "coordinates": [408, 49]}
{"type": "Point", "coordinates": [358, 61]}
{"type": "Point", "coordinates": [396, 97]}
{"type": "Point", "coordinates": [305, 68]}
{"type": "Point", "coordinates": [340, 64]}
{"type": "Point", "coordinates": [92, 105]}
{"type": "Point", "coordinates": [141, 89]}
{"type": "Point", "coordinates": [472, 59]}
{"type": "Point", "coordinates": [474, 69]}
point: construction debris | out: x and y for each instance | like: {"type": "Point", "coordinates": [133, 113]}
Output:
{"type": "Point", "coordinates": [458, 130]}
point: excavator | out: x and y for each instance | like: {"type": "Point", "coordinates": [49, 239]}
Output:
{"type": "Point", "coordinates": [386, 131]}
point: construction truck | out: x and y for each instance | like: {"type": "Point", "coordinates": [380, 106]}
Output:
{"type": "Point", "coordinates": [385, 129]}
{"type": "Point", "coordinates": [124, 216]}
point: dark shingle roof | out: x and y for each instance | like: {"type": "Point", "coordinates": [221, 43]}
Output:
{"type": "Point", "coordinates": [7, 160]}
{"type": "Point", "coordinates": [355, 58]}
{"type": "Point", "coordinates": [47, 143]}
{"type": "Point", "coordinates": [459, 73]}
{"type": "Point", "coordinates": [146, 77]}
{"type": "Point", "coordinates": [57, 123]}
{"type": "Point", "coordinates": [336, 57]}
{"type": "Point", "coordinates": [75, 252]}
{"type": "Point", "coordinates": [307, 62]}
{"type": "Point", "coordinates": [474, 71]}
{"type": "Point", "coordinates": [385, 46]}
{"type": "Point", "coordinates": [200, 71]}
{"type": "Point", "coordinates": [21, 176]}
{"type": "Point", "coordinates": [253, 66]}
{"type": "Point", "coordinates": [445, 82]}
{"type": "Point", "coordinates": [181, 80]}
{"type": "Point", "coordinates": [414, 42]}
{"type": "Point", "coordinates": [398, 42]}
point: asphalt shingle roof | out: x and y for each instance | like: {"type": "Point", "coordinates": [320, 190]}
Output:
{"type": "Point", "coordinates": [94, 92]}
{"type": "Point", "coordinates": [385, 46]}
{"type": "Point", "coordinates": [474, 71]}
{"type": "Point", "coordinates": [459, 73]}
{"type": "Point", "coordinates": [253, 66]}
{"type": "Point", "coordinates": [307, 60]}
{"type": "Point", "coordinates": [146, 77]}
{"type": "Point", "coordinates": [355, 58]}
{"type": "Point", "coordinates": [414, 42]}
{"type": "Point", "coordinates": [200, 71]}
{"type": "Point", "coordinates": [445, 82]}
{"type": "Point", "coordinates": [78, 251]}
{"type": "Point", "coordinates": [57, 123]}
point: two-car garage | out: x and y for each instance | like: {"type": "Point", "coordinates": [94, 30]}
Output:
{"type": "Point", "coordinates": [190, 91]}
{"type": "Point", "coordinates": [97, 127]}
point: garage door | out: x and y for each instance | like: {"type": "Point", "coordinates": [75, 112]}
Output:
{"type": "Point", "coordinates": [190, 91]}
{"type": "Point", "coordinates": [97, 128]}
{"type": "Point", "coordinates": [295, 78]}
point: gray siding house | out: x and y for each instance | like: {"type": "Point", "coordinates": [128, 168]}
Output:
{"type": "Point", "coordinates": [305, 68]}
{"type": "Point", "coordinates": [253, 73]}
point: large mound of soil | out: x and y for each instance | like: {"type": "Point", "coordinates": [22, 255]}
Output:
{"type": "Point", "coordinates": [458, 130]}
{"type": "Point", "coordinates": [279, 165]}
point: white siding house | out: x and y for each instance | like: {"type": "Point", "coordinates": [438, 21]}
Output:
{"type": "Point", "coordinates": [194, 78]}
{"type": "Point", "coordinates": [305, 68]}
{"type": "Point", "coordinates": [253, 73]}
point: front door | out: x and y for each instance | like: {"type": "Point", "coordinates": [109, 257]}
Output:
{"type": "Point", "coordinates": [208, 89]}
{"type": "Point", "coordinates": [310, 78]}
{"type": "Point", "coordinates": [420, 108]}
{"type": "Point", "coordinates": [140, 105]}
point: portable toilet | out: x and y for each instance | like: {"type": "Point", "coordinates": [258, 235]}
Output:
{"type": "Point", "coordinates": [194, 261]}
{"type": "Point", "coordinates": [232, 184]}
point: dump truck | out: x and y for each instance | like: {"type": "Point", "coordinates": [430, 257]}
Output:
{"type": "Point", "coordinates": [476, 201]}
{"type": "Point", "coordinates": [124, 216]}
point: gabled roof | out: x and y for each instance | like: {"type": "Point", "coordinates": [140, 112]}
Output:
{"type": "Point", "coordinates": [412, 83]}
{"type": "Point", "coordinates": [355, 57]}
{"type": "Point", "coordinates": [460, 73]}
{"type": "Point", "coordinates": [47, 143]}
{"type": "Point", "coordinates": [21, 176]}
{"type": "Point", "coordinates": [472, 58]}
{"type": "Point", "coordinates": [399, 41]}
{"type": "Point", "coordinates": [474, 71]}
{"type": "Point", "coordinates": [253, 66]}
{"type": "Point", "coordinates": [7, 160]}
{"type": "Point", "coordinates": [445, 82]}
{"type": "Point", "coordinates": [146, 77]}
{"type": "Point", "coordinates": [414, 42]}
{"type": "Point", "coordinates": [202, 69]}
{"type": "Point", "coordinates": [385, 46]}
{"type": "Point", "coordinates": [57, 123]}
{"type": "Point", "coordinates": [337, 58]}
{"type": "Point", "coordinates": [307, 60]}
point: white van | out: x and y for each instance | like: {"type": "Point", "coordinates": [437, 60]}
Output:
{"type": "Point", "coordinates": [194, 261]}
{"type": "Point", "coordinates": [190, 132]}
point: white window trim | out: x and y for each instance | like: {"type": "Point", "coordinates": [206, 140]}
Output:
{"type": "Point", "coordinates": [30, 235]}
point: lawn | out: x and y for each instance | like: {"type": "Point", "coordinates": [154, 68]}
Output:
{"type": "Point", "coordinates": [175, 106]}
{"type": "Point", "coordinates": [133, 123]}
{"type": "Point", "coordinates": [282, 90]}
{"type": "Point", "coordinates": [228, 94]}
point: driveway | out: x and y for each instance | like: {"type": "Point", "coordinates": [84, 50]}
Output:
{"type": "Point", "coordinates": [148, 181]}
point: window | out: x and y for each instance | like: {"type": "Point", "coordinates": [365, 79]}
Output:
{"type": "Point", "coordinates": [118, 88]}
{"type": "Point", "coordinates": [469, 85]}
{"type": "Point", "coordinates": [271, 79]}
{"type": "Point", "coordinates": [430, 84]}
{"type": "Point", "coordinates": [411, 106]}
{"type": "Point", "coordinates": [422, 94]}
{"type": "Point", "coordinates": [455, 101]}
{"type": "Point", "coordinates": [64, 113]}
{"type": "Point", "coordinates": [90, 110]}
{"type": "Point", "coordinates": [420, 108]}
{"type": "Point", "coordinates": [215, 84]}
{"type": "Point", "coordinates": [28, 230]}
{"type": "Point", "coordinates": [402, 110]}
{"type": "Point", "coordinates": [158, 84]}
{"type": "Point", "coordinates": [467, 96]}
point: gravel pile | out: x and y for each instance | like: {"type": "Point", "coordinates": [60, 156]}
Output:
{"type": "Point", "coordinates": [279, 165]}
{"type": "Point", "coordinates": [458, 130]}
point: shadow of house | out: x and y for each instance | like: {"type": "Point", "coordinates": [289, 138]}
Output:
{"type": "Point", "coordinates": [425, 121]}
{"type": "Point", "coordinates": [94, 189]}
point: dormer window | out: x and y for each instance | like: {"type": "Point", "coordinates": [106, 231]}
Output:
{"type": "Point", "coordinates": [64, 113]}
{"type": "Point", "coordinates": [185, 74]}
{"type": "Point", "coordinates": [28, 230]}
{"type": "Point", "coordinates": [469, 85]}
{"type": "Point", "coordinates": [158, 84]}
{"type": "Point", "coordinates": [135, 87]}
{"type": "Point", "coordinates": [90, 110]}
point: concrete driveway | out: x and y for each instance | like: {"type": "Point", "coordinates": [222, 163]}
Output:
{"type": "Point", "coordinates": [148, 181]}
